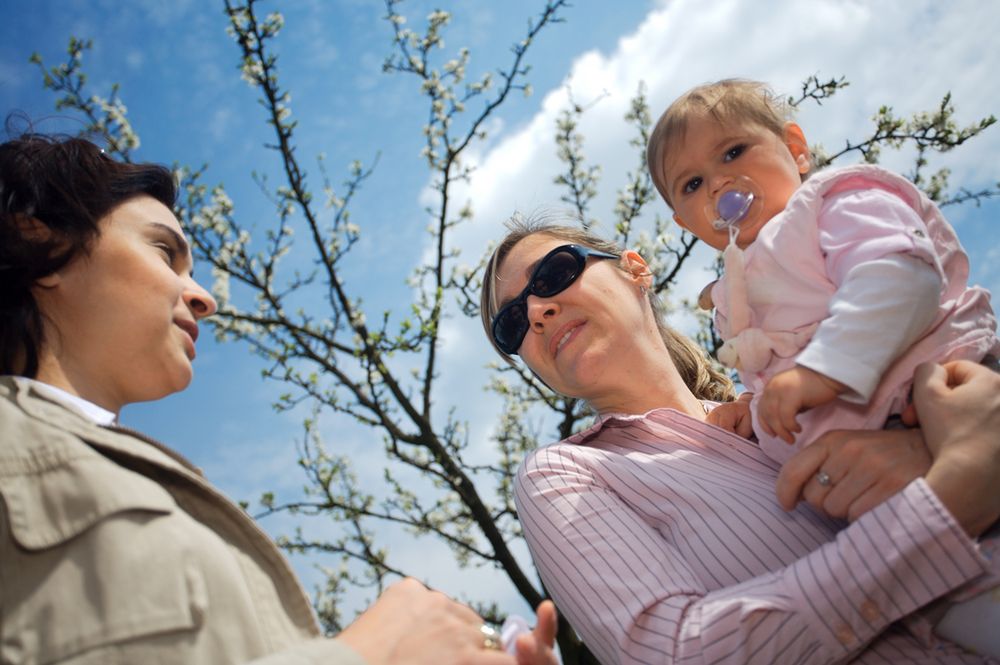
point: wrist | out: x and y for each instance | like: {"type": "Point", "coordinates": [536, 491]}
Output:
{"type": "Point", "coordinates": [965, 485]}
{"type": "Point", "coordinates": [832, 384]}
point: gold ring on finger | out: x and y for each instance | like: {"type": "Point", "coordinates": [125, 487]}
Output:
{"type": "Point", "coordinates": [491, 638]}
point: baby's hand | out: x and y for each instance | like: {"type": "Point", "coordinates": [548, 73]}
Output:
{"type": "Point", "coordinates": [789, 393]}
{"type": "Point", "coordinates": [734, 416]}
{"type": "Point", "coordinates": [705, 297]}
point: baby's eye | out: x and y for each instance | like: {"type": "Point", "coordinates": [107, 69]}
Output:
{"type": "Point", "coordinates": [734, 152]}
{"type": "Point", "coordinates": [691, 185]}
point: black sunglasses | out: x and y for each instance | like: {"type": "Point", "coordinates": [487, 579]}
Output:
{"type": "Point", "coordinates": [553, 274]}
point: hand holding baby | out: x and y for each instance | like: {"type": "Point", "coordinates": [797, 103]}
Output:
{"type": "Point", "coordinates": [789, 393]}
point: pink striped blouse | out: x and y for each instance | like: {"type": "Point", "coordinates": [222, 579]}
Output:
{"type": "Point", "coordinates": [661, 541]}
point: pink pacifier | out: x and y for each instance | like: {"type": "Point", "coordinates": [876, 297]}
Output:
{"type": "Point", "coordinates": [734, 205]}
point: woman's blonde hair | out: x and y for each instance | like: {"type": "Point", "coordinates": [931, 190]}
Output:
{"type": "Point", "coordinates": [691, 361]}
{"type": "Point", "coordinates": [728, 101]}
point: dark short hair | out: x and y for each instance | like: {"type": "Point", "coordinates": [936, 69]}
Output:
{"type": "Point", "coordinates": [66, 185]}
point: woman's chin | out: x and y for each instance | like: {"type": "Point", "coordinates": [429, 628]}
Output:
{"type": "Point", "coordinates": [174, 382]}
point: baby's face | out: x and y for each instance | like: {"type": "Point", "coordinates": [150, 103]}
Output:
{"type": "Point", "coordinates": [710, 159]}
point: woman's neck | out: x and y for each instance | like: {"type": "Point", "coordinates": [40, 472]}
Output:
{"type": "Point", "coordinates": [660, 388]}
{"type": "Point", "coordinates": [54, 373]}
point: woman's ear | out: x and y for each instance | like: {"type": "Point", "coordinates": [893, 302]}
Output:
{"type": "Point", "coordinates": [36, 230]}
{"type": "Point", "coordinates": [795, 140]}
{"type": "Point", "coordinates": [49, 281]}
{"type": "Point", "coordinates": [636, 266]}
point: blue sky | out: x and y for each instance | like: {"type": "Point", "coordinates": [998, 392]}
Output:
{"type": "Point", "coordinates": [178, 72]}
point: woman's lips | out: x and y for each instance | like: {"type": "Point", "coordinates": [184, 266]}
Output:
{"type": "Point", "coordinates": [564, 336]}
{"type": "Point", "coordinates": [191, 328]}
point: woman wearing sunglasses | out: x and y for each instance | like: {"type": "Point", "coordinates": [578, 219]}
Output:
{"type": "Point", "coordinates": [113, 548]}
{"type": "Point", "coordinates": [659, 535]}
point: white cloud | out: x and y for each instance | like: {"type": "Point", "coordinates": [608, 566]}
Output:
{"type": "Point", "coordinates": [12, 77]}
{"type": "Point", "coordinates": [220, 123]}
{"type": "Point", "coordinates": [135, 59]}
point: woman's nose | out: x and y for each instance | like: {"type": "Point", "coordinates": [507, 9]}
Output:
{"type": "Point", "coordinates": [198, 300]}
{"type": "Point", "coordinates": [540, 309]}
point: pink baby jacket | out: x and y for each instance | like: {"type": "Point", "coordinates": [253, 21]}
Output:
{"type": "Point", "coordinates": [797, 264]}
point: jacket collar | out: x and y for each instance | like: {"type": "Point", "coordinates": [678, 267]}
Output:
{"type": "Point", "coordinates": [122, 440]}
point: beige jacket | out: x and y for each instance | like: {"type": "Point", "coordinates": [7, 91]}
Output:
{"type": "Point", "coordinates": [114, 549]}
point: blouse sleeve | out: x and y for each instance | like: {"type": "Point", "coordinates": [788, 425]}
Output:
{"type": "Point", "coordinates": [634, 598]}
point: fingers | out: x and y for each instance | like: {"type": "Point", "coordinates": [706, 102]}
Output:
{"type": "Point", "coordinates": [536, 648]}
{"type": "Point", "coordinates": [721, 416]}
{"type": "Point", "coordinates": [774, 421]}
{"type": "Point", "coordinates": [863, 469]}
{"type": "Point", "coordinates": [817, 494]}
{"type": "Point", "coordinates": [733, 417]}
{"type": "Point", "coordinates": [962, 372]}
{"type": "Point", "coordinates": [548, 623]}
{"type": "Point", "coordinates": [909, 416]}
{"type": "Point", "coordinates": [744, 426]}
{"type": "Point", "coordinates": [874, 496]}
{"type": "Point", "coordinates": [850, 493]}
{"type": "Point", "coordinates": [930, 378]}
{"type": "Point", "coordinates": [787, 410]}
{"type": "Point", "coordinates": [777, 411]}
{"type": "Point", "coordinates": [798, 472]}
{"type": "Point", "coordinates": [414, 625]}
{"type": "Point", "coordinates": [764, 415]}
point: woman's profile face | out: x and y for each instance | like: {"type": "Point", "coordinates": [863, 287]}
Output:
{"type": "Point", "coordinates": [576, 338]}
{"type": "Point", "coordinates": [124, 316]}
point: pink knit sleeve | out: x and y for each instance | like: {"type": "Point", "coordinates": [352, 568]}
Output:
{"type": "Point", "coordinates": [859, 226]}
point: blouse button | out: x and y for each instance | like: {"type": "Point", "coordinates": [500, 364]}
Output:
{"type": "Point", "coordinates": [870, 611]}
{"type": "Point", "coordinates": [845, 634]}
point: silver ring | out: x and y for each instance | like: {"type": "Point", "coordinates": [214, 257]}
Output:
{"type": "Point", "coordinates": [491, 638]}
{"type": "Point", "coordinates": [823, 478]}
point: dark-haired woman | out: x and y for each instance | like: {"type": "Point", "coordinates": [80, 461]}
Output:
{"type": "Point", "coordinates": [113, 548]}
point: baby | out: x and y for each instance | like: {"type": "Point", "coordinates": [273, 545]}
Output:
{"type": "Point", "coordinates": [835, 287]}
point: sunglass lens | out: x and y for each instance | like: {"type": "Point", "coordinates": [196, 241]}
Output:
{"type": "Point", "coordinates": [557, 273]}
{"type": "Point", "coordinates": [510, 328]}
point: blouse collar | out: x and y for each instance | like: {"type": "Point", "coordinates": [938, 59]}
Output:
{"type": "Point", "coordinates": [624, 419]}
{"type": "Point", "coordinates": [89, 410]}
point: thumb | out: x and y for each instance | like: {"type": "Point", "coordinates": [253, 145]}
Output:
{"type": "Point", "coordinates": [928, 379]}
{"type": "Point", "coordinates": [927, 376]}
{"type": "Point", "coordinates": [547, 624]}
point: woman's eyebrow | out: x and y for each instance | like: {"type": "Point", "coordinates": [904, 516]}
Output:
{"type": "Point", "coordinates": [180, 245]}
{"type": "Point", "coordinates": [528, 271]}
{"type": "Point", "coordinates": [178, 241]}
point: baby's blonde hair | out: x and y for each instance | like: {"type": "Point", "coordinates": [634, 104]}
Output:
{"type": "Point", "coordinates": [727, 101]}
